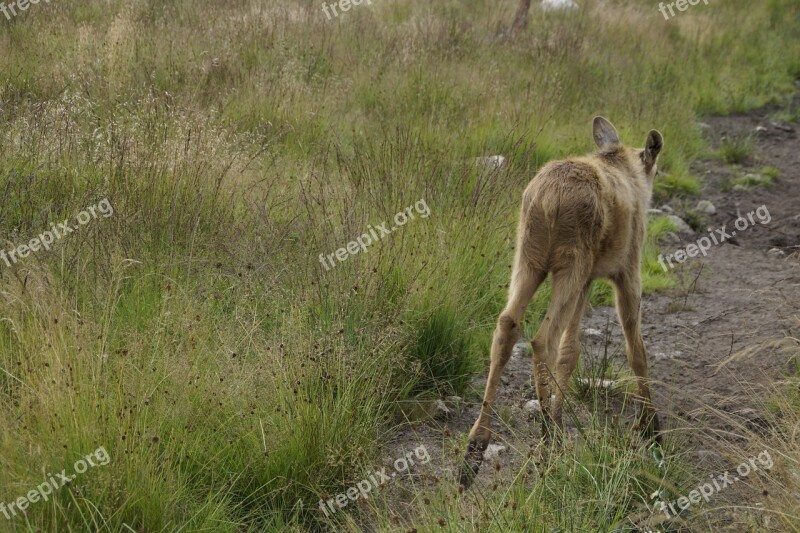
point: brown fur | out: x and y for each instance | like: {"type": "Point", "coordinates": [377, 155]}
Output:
{"type": "Point", "coordinates": [581, 218]}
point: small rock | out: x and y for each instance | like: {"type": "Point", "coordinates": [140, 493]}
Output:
{"type": "Point", "coordinates": [795, 474]}
{"type": "Point", "coordinates": [522, 349]}
{"type": "Point", "coordinates": [667, 209]}
{"type": "Point", "coordinates": [533, 407]}
{"type": "Point", "coordinates": [594, 334]}
{"type": "Point", "coordinates": [776, 252]}
{"type": "Point", "coordinates": [597, 383]}
{"type": "Point", "coordinates": [760, 129]}
{"type": "Point", "coordinates": [492, 162]}
{"type": "Point", "coordinates": [704, 206]}
{"type": "Point", "coordinates": [453, 402]}
{"type": "Point", "coordinates": [558, 5]}
{"type": "Point", "coordinates": [661, 356]}
{"type": "Point", "coordinates": [781, 126]}
{"type": "Point", "coordinates": [655, 212]}
{"type": "Point", "coordinates": [439, 410]}
{"type": "Point", "coordinates": [493, 451]}
{"type": "Point", "coordinates": [680, 225]}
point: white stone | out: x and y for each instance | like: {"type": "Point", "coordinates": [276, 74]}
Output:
{"type": "Point", "coordinates": [533, 407]}
{"type": "Point", "coordinates": [492, 162]}
{"type": "Point", "coordinates": [439, 410]}
{"type": "Point", "coordinates": [493, 451]}
{"type": "Point", "coordinates": [558, 5]}
{"type": "Point", "coordinates": [593, 333]}
{"type": "Point", "coordinates": [680, 225]}
{"type": "Point", "coordinates": [661, 356]}
{"type": "Point", "coordinates": [776, 252]}
{"type": "Point", "coordinates": [704, 206]}
{"type": "Point", "coordinates": [453, 402]}
{"type": "Point", "coordinates": [666, 208]}
{"type": "Point", "coordinates": [598, 383]}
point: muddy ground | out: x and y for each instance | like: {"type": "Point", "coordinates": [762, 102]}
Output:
{"type": "Point", "coordinates": [718, 342]}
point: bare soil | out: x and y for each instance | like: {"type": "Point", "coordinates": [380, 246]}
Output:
{"type": "Point", "coordinates": [716, 344]}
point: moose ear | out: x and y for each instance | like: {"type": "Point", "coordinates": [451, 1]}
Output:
{"type": "Point", "coordinates": [653, 146]}
{"type": "Point", "coordinates": [604, 133]}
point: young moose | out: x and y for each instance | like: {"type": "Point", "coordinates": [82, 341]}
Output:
{"type": "Point", "coordinates": [581, 218]}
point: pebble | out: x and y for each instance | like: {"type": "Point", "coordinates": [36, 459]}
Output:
{"type": "Point", "coordinates": [592, 333]}
{"type": "Point", "coordinates": [493, 451]}
{"type": "Point", "coordinates": [598, 383]}
{"type": "Point", "coordinates": [661, 356]}
{"type": "Point", "coordinates": [558, 5]}
{"type": "Point", "coordinates": [680, 225]}
{"type": "Point", "coordinates": [439, 410]}
{"type": "Point", "coordinates": [704, 206]}
{"type": "Point", "coordinates": [453, 402]}
{"type": "Point", "coordinates": [492, 162]}
{"type": "Point", "coordinates": [533, 407]}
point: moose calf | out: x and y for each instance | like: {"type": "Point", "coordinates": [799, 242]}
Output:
{"type": "Point", "coordinates": [582, 218]}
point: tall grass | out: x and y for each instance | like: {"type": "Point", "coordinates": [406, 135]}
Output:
{"type": "Point", "coordinates": [233, 380]}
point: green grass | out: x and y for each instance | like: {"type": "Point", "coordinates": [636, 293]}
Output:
{"type": "Point", "coordinates": [195, 335]}
{"type": "Point", "coordinates": [754, 180]}
{"type": "Point", "coordinates": [675, 185]}
{"type": "Point", "coordinates": [771, 172]}
{"type": "Point", "coordinates": [589, 487]}
{"type": "Point", "coordinates": [736, 150]}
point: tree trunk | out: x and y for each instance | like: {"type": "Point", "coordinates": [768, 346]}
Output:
{"type": "Point", "coordinates": [521, 18]}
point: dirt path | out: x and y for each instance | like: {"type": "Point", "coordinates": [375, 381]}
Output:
{"type": "Point", "coordinates": [711, 344]}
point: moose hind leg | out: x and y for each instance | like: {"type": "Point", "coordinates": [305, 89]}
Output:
{"type": "Point", "coordinates": [524, 283]}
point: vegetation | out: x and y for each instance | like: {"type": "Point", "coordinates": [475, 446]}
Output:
{"type": "Point", "coordinates": [736, 150]}
{"type": "Point", "coordinates": [195, 334]}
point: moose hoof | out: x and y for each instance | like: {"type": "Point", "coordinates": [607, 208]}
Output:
{"type": "Point", "coordinates": [650, 428]}
{"type": "Point", "coordinates": [472, 463]}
